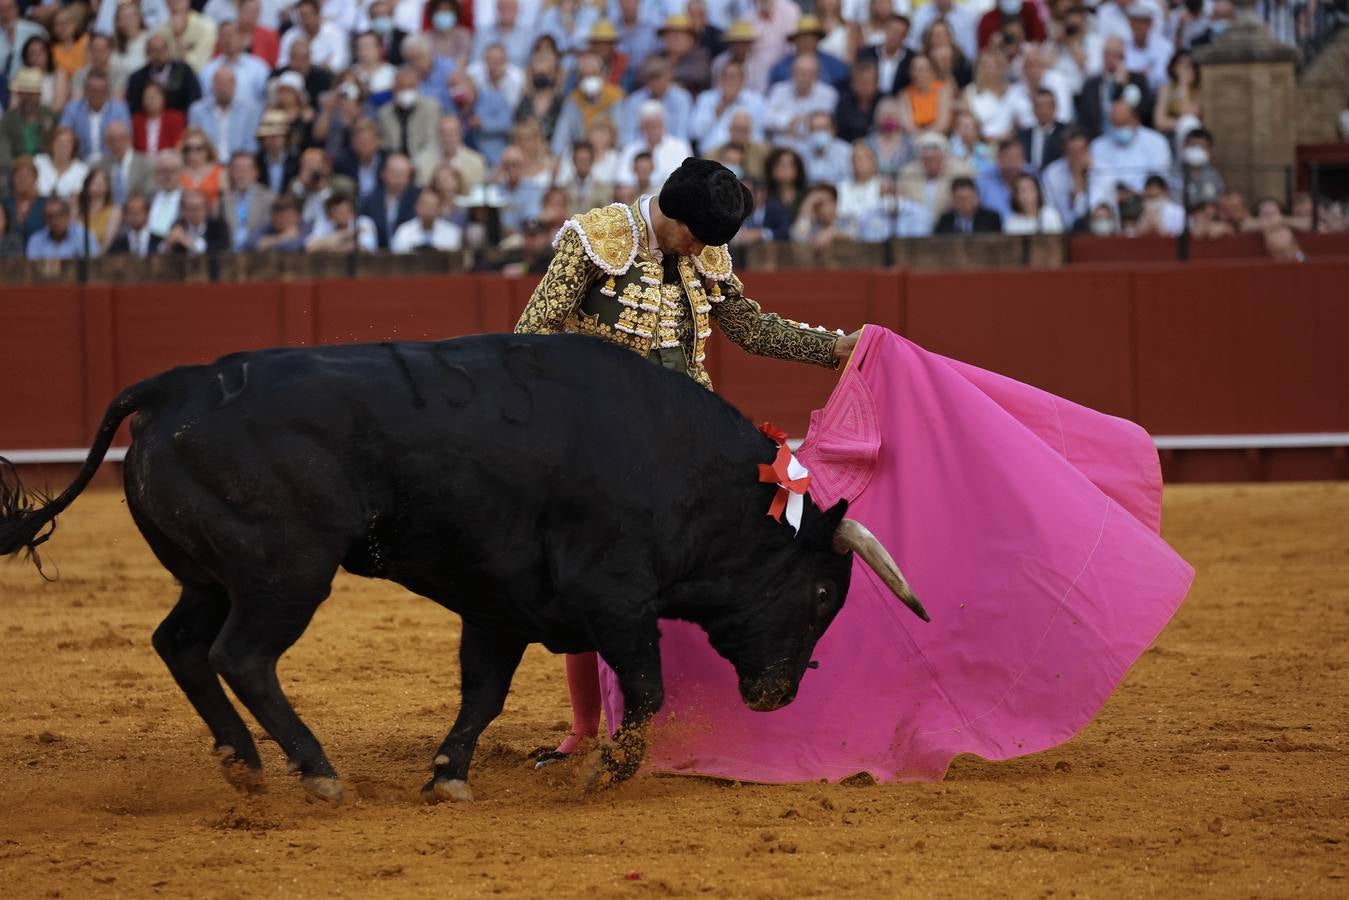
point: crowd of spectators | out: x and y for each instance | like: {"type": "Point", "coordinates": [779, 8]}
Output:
{"type": "Point", "coordinates": [207, 126]}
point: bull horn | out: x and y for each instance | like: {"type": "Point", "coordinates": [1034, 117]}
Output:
{"type": "Point", "coordinates": [853, 535]}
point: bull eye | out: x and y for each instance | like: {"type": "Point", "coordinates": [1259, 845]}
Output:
{"type": "Point", "coordinates": [822, 594]}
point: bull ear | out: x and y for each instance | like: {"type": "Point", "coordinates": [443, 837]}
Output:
{"type": "Point", "coordinates": [829, 521]}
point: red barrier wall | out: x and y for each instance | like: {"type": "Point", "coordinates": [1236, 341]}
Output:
{"type": "Point", "coordinates": [1204, 347]}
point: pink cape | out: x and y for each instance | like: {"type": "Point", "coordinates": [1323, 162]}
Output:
{"type": "Point", "coordinates": [1027, 525]}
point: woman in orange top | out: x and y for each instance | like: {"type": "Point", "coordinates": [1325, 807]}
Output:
{"type": "Point", "coordinates": [925, 105]}
{"type": "Point", "coordinates": [201, 171]}
{"type": "Point", "coordinates": [69, 46]}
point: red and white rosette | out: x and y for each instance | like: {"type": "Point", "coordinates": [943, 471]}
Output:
{"type": "Point", "coordinates": [789, 475]}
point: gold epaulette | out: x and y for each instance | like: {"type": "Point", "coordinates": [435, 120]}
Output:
{"type": "Point", "coordinates": [714, 263]}
{"type": "Point", "coordinates": [609, 235]}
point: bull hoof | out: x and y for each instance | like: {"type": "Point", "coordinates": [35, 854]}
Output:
{"type": "Point", "coordinates": [242, 777]}
{"type": "Point", "coordinates": [451, 790]}
{"type": "Point", "coordinates": [327, 789]}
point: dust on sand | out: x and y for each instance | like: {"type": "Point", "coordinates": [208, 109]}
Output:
{"type": "Point", "coordinates": [1218, 769]}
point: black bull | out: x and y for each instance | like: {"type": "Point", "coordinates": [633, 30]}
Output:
{"type": "Point", "coordinates": [548, 489]}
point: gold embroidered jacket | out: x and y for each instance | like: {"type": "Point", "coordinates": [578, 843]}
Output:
{"type": "Point", "coordinates": [605, 281]}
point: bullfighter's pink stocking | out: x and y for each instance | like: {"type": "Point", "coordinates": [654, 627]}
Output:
{"type": "Point", "coordinates": [583, 683]}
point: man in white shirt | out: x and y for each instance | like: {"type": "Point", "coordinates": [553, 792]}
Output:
{"type": "Point", "coordinates": [340, 231]}
{"type": "Point", "coordinates": [250, 72]}
{"type": "Point", "coordinates": [168, 195]}
{"type": "Point", "coordinates": [1145, 50]}
{"type": "Point", "coordinates": [1076, 50]}
{"type": "Point", "coordinates": [328, 45]}
{"type": "Point", "coordinates": [1070, 184]}
{"type": "Point", "coordinates": [135, 239]}
{"type": "Point", "coordinates": [427, 229]}
{"type": "Point", "coordinates": [667, 152]}
{"type": "Point", "coordinates": [891, 56]}
{"type": "Point", "coordinates": [791, 103]}
{"type": "Point", "coordinates": [1112, 18]}
{"type": "Point", "coordinates": [828, 160]}
{"type": "Point", "coordinates": [1127, 153]}
{"type": "Point", "coordinates": [1043, 138]}
{"type": "Point", "coordinates": [712, 111]}
{"type": "Point", "coordinates": [1161, 214]}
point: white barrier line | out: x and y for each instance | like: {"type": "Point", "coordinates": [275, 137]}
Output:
{"type": "Point", "coordinates": [69, 455]}
{"type": "Point", "coordinates": [1163, 442]}
{"type": "Point", "coordinates": [1250, 441]}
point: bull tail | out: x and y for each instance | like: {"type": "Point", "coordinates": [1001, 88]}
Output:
{"type": "Point", "coordinates": [28, 516]}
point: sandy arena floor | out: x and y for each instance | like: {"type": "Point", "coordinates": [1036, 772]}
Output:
{"type": "Point", "coordinates": [1219, 769]}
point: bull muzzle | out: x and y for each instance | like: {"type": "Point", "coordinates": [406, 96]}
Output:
{"type": "Point", "coordinates": [767, 694]}
{"type": "Point", "coordinates": [853, 535]}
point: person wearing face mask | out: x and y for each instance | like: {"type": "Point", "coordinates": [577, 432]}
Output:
{"type": "Point", "coordinates": [1129, 152]}
{"type": "Point", "coordinates": [1195, 171]}
{"type": "Point", "coordinates": [594, 96]}
{"type": "Point", "coordinates": [828, 160]}
{"type": "Point", "coordinates": [1005, 11]}
{"type": "Point", "coordinates": [450, 40]}
{"type": "Point", "coordinates": [380, 23]}
{"type": "Point", "coordinates": [889, 142]}
{"type": "Point", "coordinates": [408, 124]}
{"type": "Point", "coordinates": [1102, 222]}
{"type": "Point", "coordinates": [543, 98]}
{"type": "Point", "coordinates": [1221, 16]}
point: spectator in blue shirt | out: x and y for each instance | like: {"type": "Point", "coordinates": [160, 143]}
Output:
{"type": "Point", "coordinates": [661, 87]}
{"type": "Point", "coordinates": [61, 238]}
{"type": "Point", "coordinates": [996, 179]}
{"type": "Point", "coordinates": [517, 39]}
{"type": "Point", "coordinates": [806, 42]}
{"type": "Point", "coordinates": [568, 23]}
{"type": "Point", "coordinates": [495, 114]}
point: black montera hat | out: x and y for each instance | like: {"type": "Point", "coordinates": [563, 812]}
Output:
{"type": "Point", "coordinates": [708, 198]}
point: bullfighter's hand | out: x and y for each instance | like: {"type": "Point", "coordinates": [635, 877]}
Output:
{"type": "Point", "coordinates": [844, 347]}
